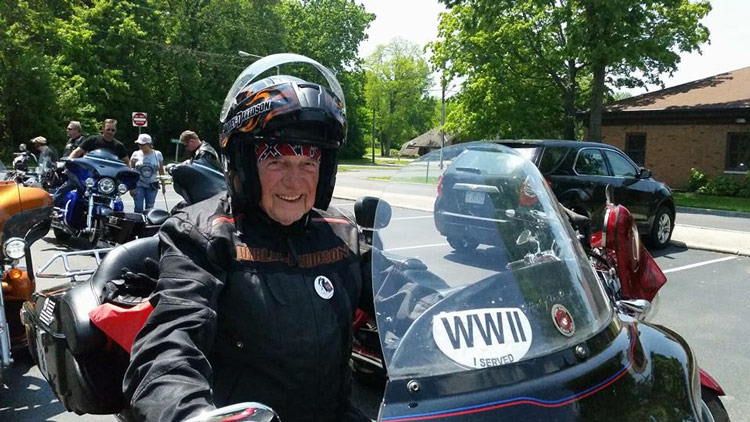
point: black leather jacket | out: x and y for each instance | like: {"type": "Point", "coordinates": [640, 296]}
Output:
{"type": "Point", "coordinates": [241, 314]}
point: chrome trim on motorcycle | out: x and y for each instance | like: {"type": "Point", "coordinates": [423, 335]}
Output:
{"type": "Point", "coordinates": [98, 254]}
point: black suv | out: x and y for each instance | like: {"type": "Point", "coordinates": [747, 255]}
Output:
{"type": "Point", "coordinates": [578, 173]}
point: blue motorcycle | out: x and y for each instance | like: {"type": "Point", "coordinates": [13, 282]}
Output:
{"type": "Point", "coordinates": [100, 180]}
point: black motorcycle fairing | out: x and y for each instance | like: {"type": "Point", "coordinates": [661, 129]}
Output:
{"type": "Point", "coordinates": [613, 378]}
{"type": "Point", "coordinates": [198, 179]}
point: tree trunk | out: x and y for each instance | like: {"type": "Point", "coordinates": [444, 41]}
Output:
{"type": "Point", "coordinates": [569, 102]}
{"type": "Point", "coordinates": [597, 103]}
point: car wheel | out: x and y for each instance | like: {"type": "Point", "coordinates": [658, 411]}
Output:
{"type": "Point", "coordinates": [462, 244]}
{"type": "Point", "coordinates": [711, 407]}
{"type": "Point", "coordinates": [661, 232]}
{"type": "Point", "coordinates": [61, 234]}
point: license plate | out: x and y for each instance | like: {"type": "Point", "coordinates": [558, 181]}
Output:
{"type": "Point", "coordinates": [40, 352]}
{"type": "Point", "coordinates": [474, 198]}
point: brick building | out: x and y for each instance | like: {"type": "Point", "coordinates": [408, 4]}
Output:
{"type": "Point", "coordinates": [703, 124]}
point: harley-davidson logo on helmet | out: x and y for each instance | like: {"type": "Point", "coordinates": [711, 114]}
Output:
{"type": "Point", "coordinates": [563, 320]}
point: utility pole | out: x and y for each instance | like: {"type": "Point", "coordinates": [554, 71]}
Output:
{"type": "Point", "coordinates": [442, 128]}
{"type": "Point", "coordinates": [373, 136]}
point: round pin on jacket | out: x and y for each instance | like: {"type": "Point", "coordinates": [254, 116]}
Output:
{"type": "Point", "coordinates": [323, 287]}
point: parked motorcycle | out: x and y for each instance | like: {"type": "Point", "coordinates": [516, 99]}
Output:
{"type": "Point", "coordinates": [84, 367]}
{"type": "Point", "coordinates": [100, 178]}
{"type": "Point", "coordinates": [24, 219]}
{"type": "Point", "coordinates": [530, 327]}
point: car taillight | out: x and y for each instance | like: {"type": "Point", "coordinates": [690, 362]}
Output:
{"type": "Point", "coordinates": [440, 186]}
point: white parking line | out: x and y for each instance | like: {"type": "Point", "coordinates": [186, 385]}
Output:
{"type": "Point", "coordinates": [699, 264]}
{"type": "Point", "coordinates": [416, 247]}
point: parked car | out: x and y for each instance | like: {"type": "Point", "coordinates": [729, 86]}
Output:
{"type": "Point", "coordinates": [578, 173]}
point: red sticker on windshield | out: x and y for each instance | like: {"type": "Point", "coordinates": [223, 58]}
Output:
{"type": "Point", "coordinates": [563, 320]}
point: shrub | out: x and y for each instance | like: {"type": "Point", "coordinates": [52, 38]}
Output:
{"type": "Point", "coordinates": [698, 180]}
{"type": "Point", "coordinates": [722, 186]}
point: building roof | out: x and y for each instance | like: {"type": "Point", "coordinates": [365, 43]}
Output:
{"type": "Point", "coordinates": [730, 90]}
{"type": "Point", "coordinates": [430, 139]}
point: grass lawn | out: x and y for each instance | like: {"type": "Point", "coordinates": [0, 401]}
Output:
{"type": "Point", "coordinates": [727, 203]}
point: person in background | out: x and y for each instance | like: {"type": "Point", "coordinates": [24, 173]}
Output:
{"type": "Point", "coordinates": [75, 137]}
{"type": "Point", "coordinates": [106, 141]}
{"type": "Point", "coordinates": [147, 161]}
{"type": "Point", "coordinates": [195, 147]}
{"type": "Point", "coordinates": [46, 155]}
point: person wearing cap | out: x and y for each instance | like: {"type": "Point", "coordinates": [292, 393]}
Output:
{"type": "Point", "coordinates": [147, 161]}
{"type": "Point", "coordinates": [195, 147]}
{"type": "Point", "coordinates": [258, 285]}
{"type": "Point", "coordinates": [46, 155]}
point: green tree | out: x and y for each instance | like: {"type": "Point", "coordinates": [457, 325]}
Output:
{"type": "Point", "coordinates": [397, 88]}
{"type": "Point", "coordinates": [330, 32]}
{"type": "Point", "coordinates": [533, 63]}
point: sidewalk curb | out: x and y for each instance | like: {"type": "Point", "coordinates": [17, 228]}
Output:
{"type": "Point", "coordinates": [705, 211]}
{"type": "Point", "coordinates": [708, 248]}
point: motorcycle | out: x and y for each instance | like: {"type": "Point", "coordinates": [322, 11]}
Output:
{"type": "Point", "coordinates": [101, 179]}
{"type": "Point", "coordinates": [83, 366]}
{"type": "Point", "coordinates": [24, 219]}
{"type": "Point", "coordinates": [536, 324]}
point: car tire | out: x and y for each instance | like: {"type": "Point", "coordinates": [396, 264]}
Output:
{"type": "Point", "coordinates": [661, 231]}
{"type": "Point", "coordinates": [711, 407]}
{"type": "Point", "coordinates": [462, 244]}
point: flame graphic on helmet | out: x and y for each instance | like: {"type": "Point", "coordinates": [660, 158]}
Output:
{"type": "Point", "coordinates": [270, 103]}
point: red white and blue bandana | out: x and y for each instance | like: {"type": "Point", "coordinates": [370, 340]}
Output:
{"type": "Point", "coordinates": [263, 151]}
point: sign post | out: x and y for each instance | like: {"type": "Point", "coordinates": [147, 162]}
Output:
{"type": "Point", "coordinates": [140, 119]}
{"type": "Point", "coordinates": [176, 147]}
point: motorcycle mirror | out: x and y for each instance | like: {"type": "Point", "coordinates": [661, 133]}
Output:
{"type": "Point", "coordinates": [524, 237]}
{"type": "Point", "coordinates": [169, 167]}
{"type": "Point", "coordinates": [365, 209]}
{"type": "Point", "coordinates": [241, 412]}
{"type": "Point", "coordinates": [22, 147]}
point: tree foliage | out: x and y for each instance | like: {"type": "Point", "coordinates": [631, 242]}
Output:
{"type": "Point", "coordinates": [530, 64]}
{"type": "Point", "coordinates": [397, 89]}
{"type": "Point", "coordinates": [174, 59]}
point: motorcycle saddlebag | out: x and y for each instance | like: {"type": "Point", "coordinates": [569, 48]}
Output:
{"type": "Point", "coordinates": [125, 226]}
{"type": "Point", "coordinates": [83, 367]}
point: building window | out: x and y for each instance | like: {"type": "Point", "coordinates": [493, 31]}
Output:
{"type": "Point", "coordinates": [738, 152]}
{"type": "Point", "coordinates": [635, 147]}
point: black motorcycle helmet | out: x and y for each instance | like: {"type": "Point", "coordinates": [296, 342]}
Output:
{"type": "Point", "coordinates": [280, 109]}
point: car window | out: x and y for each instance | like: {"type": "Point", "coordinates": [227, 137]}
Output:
{"type": "Point", "coordinates": [526, 151]}
{"type": "Point", "coordinates": [620, 165]}
{"type": "Point", "coordinates": [591, 162]}
{"type": "Point", "coordinates": [552, 158]}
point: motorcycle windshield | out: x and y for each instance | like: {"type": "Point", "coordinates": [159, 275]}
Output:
{"type": "Point", "coordinates": [101, 163]}
{"type": "Point", "coordinates": [477, 266]}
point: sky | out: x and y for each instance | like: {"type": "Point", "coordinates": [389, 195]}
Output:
{"type": "Point", "coordinates": [729, 23]}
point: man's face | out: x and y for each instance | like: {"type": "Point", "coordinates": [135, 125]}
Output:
{"type": "Point", "coordinates": [109, 131]}
{"type": "Point", "coordinates": [191, 144]}
{"type": "Point", "coordinates": [288, 185]}
{"type": "Point", "coordinates": [72, 132]}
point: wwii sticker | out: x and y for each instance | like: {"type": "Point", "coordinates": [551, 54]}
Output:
{"type": "Point", "coordinates": [481, 338]}
{"type": "Point", "coordinates": [323, 287]}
